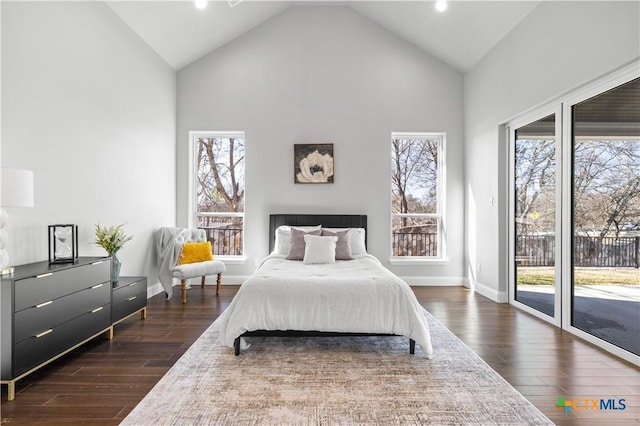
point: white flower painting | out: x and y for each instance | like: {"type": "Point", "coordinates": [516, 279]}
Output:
{"type": "Point", "coordinates": [313, 163]}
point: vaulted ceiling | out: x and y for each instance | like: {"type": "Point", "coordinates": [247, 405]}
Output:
{"type": "Point", "coordinates": [459, 36]}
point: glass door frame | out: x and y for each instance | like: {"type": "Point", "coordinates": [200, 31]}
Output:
{"type": "Point", "coordinates": [562, 107]}
{"type": "Point", "coordinates": [600, 86]}
{"type": "Point", "coordinates": [511, 129]}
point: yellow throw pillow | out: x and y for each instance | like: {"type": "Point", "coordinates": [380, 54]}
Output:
{"type": "Point", "coordinates": [195, 252]}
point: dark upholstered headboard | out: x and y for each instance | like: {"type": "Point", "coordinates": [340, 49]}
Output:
{"type": "Point", "coordinates": [326, 220]}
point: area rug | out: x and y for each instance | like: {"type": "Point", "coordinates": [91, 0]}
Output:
{"type": "Point", "coordinates": [333, 380]}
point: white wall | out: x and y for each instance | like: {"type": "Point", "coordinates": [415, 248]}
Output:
{"type": "Point", "coordinates": [557, 47]}
{"type": "Point", "coordinates": [90, 108]}
{"type": "Point", "coordinates": [324, 74]}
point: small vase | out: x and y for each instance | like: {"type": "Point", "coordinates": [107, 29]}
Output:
{"type": "Point", "coordinates": [115, 268]}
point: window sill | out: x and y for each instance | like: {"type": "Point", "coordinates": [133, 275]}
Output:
{"type": "Point", "coordinates": [232, 260]}
{"type": "Point", "coordinates": [399, 261]}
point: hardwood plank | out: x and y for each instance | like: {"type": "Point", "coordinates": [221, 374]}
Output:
{"type": "Point", "coordinates": [540, 360]}
{"type": "Point", "coordinates": [66, 411]}
{"type": "Point", "coordinates": [102, 381]}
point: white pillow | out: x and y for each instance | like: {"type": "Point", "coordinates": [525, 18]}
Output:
{"type": "Point", "coordinates": [319, 249]}
{"type": "Point", "coordinates": [358, 247]}
{"type": "Point", "coordinates": [283, 237]}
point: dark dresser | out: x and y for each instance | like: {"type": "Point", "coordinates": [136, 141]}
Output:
{"type": "Point", "coordinates": [49, 310]}
{"type": "Point", "coordinates": [129, 297]}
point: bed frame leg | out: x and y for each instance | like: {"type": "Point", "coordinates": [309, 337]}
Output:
{"type": "Point", "coordinates": [412, 346]}
{"type": "Point", "coordinates": [236, 346]}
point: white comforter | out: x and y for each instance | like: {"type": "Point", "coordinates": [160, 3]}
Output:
{"type": "Point", "coordinates": [356, 296]}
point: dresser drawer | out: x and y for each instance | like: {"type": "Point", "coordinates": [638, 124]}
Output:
{"type": "Point", "coordinates": [36, 290]}
{"type": "Point", "coordinates": [127, 307]}
{"type": "Point", "coordinates": [36, 350]}
{"type": "Point", "coordinates": [129, 296]}
{"type": "Point", "coordinates": [129, 289]}
{"type": "Point", "coordinates": [50, 314]}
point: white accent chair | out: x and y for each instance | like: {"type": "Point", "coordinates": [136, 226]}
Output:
{"type": "Point", "coordinates": [173, 241]}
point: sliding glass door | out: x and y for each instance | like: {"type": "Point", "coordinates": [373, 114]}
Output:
{"type": "Point", "coordinates": [534, 215]}
{"type": "Point", "coordinates": [574, 213]}
{"type": "Point", "coordinates": [605, 276]}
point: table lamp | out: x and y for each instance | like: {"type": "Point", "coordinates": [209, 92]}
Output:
{"type": "Point", "coordinates": [16, 191]}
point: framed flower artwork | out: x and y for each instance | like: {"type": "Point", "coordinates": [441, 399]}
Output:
{"type": "Point", "coordinates": [313, 163]}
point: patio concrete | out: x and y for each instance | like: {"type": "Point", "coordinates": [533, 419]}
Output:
{"type": "Point", "coordinates": [611, 313]}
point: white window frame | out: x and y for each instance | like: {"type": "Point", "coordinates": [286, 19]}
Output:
{"type": "Point", "coordinates": [192, 198]}
{"type": "Point", "coordinates": [511, 128]}
{"type": "Point", "coordinates": [440, 216]}
{"type": "Point", "coordinates": [594, 88]}
{"type": "Point", "coordinates": [563, 105]}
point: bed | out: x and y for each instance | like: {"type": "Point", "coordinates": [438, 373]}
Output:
{"type": "Point", "coordinates": [353, 297]}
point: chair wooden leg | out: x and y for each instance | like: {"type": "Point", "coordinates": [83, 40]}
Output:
{"type": "Point", "coordinates": [202, 282]}
{"type": "Point", "coordinates": [183, 284]}
{"type": "Point", "coordinates": [218, 281]}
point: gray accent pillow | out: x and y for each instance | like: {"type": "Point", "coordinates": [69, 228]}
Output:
{"type": "Point", "coordinates": [296, 248]}
{"type": "Point", "coordinates": [283, 237]}
{"type": "Point", "coordinates": [358, 247]}
{"type": "Point", "coordinates": [343, 246]}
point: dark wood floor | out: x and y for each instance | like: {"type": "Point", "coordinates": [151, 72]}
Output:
{"type": "Point", "coordinates": [101, 382]}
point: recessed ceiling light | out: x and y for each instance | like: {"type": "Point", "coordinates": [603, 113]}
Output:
{"type": "Point", "coordinates": [441, 5]}
{"type": "Point", "coordinates": [201, 4]}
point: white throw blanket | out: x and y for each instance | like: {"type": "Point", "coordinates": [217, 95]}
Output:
{"type": "Point", "coordinates": [353, 296]}
{"type": "Point", "coordinates": [169, 243]}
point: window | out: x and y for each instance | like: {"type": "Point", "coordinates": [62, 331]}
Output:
{"type": "Point", "coordinates": [575, 212]}
{"type": "Point", "coordinates": [606, 215]}
{"type": "Point", "coordinates": [536, 245]}
{"type": "Point", "coordinates": [218, 190]}
{"type": "Point", "coordinates": [416, 189]}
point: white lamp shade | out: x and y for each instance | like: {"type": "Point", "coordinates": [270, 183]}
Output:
{"type": "Point", "coordinates": [4, 238]}
{"type": "Point", "coordinates": [17, 188]}
{"type": "Point", "coordinates": [4, 258]}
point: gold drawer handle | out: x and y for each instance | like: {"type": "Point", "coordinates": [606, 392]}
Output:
{"type": "Point", "coordinates": [97, 263]}
{"type": "Point", "coordinates": [97, 309]}
{"type": "Point", "coordinates": [44, 275]}
{"type": "Point", "coordinates": [44, 333]}
{"type": "Point", "coordinates": [44, 304]}
{"type": "Point", "coordinates": [96, 286]}
{"type": "Point", "coordinates": [132, 284]}
{"type": "Point", "coordinates": [132, 298]}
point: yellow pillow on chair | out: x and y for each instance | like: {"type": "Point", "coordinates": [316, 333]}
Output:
{"type": "Point", "coordinates": [195, 252]}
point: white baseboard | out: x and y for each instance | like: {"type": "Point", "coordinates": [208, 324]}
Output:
{"type": "Point", "coordinates": [417, 281]}
{"type": "Point", "coordinates": [157, 288]}
{"type": "Point", "coordinates": [153, 289]}
{"type": "Point", "coordinates": [228, 279]}
{"type": "Point", "coordinates": [486, 291]}
{"type": "Point", "coordinates": [434, 281]}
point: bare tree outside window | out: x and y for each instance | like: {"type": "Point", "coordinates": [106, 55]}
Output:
{"type": "Point", "coordinates": [606, 194]}
{"type": "Point", "coordinates": [535, 181]}
{"type": "Point", "coordinates": [415, 183]}
{"type": "Point", "coordinates": [606, 215]}
{"type": "Point", "coordinates": [219, 186]}
{"type": "Point", "coordinates": [534, 159]}
{"type": "Point", "coordinates": [607, 187]}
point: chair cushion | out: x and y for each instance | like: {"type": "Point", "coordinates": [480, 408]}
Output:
{"type": "Point", "coordinates": [199, 269]}
{"type": "Point", "coordinates": [195, 252]}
